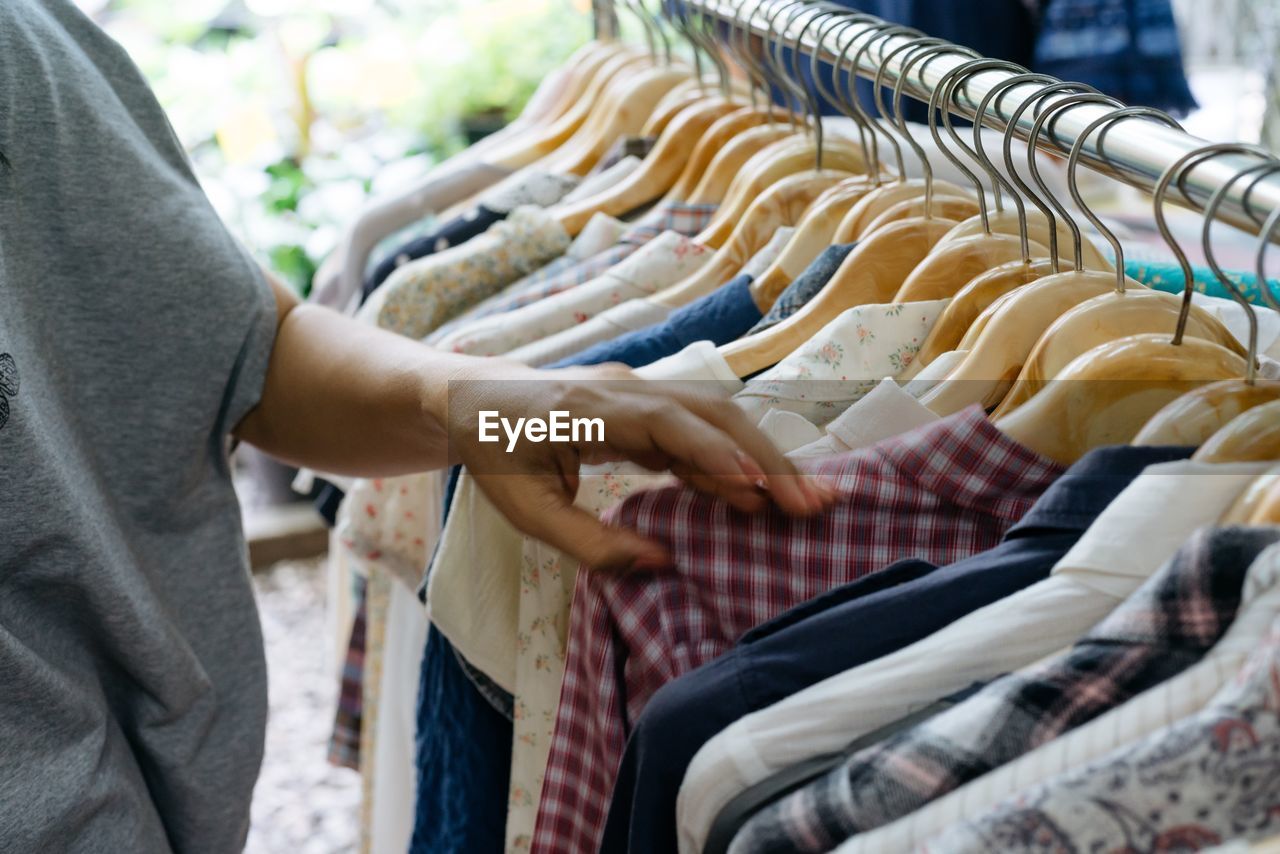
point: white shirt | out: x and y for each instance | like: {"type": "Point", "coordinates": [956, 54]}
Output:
{"type": "Point", "coordinates": [1162, 705]}
{"type": "Point", "coordinates": [888, 410]}
{"type": "Point", "coordinates": [660, 263]}
{"type": "Point", "coordinates": [1160, 508]}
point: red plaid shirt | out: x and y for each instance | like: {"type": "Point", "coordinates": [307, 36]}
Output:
{"type": "Point", "coordinates": [940, 493]}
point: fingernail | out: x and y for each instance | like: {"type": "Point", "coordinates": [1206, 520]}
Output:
{"type": "Point", "coordinates": [748, 466]}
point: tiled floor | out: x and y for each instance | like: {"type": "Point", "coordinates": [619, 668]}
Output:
{"type": "Point", "coordinates": [302, 805]}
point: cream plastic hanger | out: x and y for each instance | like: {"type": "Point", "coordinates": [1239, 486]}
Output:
{"type": "Point", "coordinates": [1035, 225]}
{"type": "Point", "coordinates": [1109, 393]}
{"type": "Point", "coordinates": [872, 272]}
{"type": "Point", "coordinates": [589, 109]}
{"type": "Point", "coordinates": [973, 300]}
{"type": "Point", "coordinates": [1197, 415]}
{"type": "Point", "coordinates": [1250, 502]}
{"type": "Point", "coordinates": [1115, 315]}
{"type": "Point", "coordinates": [954, 262]}
{"type": "Point", "coordinates": [997, 356]}
{"type": "Point", "coordinates": [1268, 511]}
{"type": "Point", "coordinates": [1252, 436]}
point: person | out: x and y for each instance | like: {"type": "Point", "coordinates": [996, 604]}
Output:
{"type": "Point", "coordinates": [137, 340]}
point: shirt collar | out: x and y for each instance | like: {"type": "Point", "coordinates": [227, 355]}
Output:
{"type": "Point", "coordinates": [681, 217]}
{"type": "Point", "coordinates": [1078, 497]}
{"type": "Point", "coordinates": [966, 460]}
{"type": "Point", "coordinates": [1194, 597]}
{"type": "Point", "coordinates": [1157, 509]}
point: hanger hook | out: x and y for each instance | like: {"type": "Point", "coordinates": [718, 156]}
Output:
{"type": "Point", "coordinates": [1037, 128]}
{"type": "Point", "coordinates": [1176, 170]}
{"type": "Point", "coordinates": [943, 91]}
{"type": "Point", "coordinates": [876, 33]}
{"type": "Point", "coordinates": [890, 118]}
{"type": "Point", "coordinates": [833, 98]}
{"type": "Point", "coordinates": [808, 87]}
{"type": "Point", "coordinates": [1264, 284]}
{"type": "Point", "coordinates": [978, 153]}
{"type": "Point", "coordinates": [778, 76]}
{"type": "Point", "coordinates": [1206, 242]}
{"type": "Point", "coordinates": [1073, 162]}
{"type": "Point", "coordinates": [850, 97]}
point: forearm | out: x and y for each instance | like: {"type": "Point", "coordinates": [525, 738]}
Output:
{"type": "Point", "coordinates": [346, 398]}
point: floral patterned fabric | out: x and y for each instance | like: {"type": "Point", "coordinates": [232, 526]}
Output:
{"type": "Point", "coordinates": [1210, 778]}
{"type": "Point", "coordinates": [662, 262]}
{"type": "Point", "coordinates": [844, 361]}
{"type": "Point", "coordinates": [422, 294]}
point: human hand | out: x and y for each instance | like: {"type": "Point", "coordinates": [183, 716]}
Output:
{"type": "Point", "coordinates": [699, 435]}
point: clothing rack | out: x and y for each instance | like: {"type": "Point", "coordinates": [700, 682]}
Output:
{"type": "Point", "coordinates": [1137, 150]}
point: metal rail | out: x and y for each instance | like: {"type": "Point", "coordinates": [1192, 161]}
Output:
{"type": "Point", "coordinates": [1137, 150]}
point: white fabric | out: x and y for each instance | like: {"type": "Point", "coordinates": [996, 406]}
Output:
{"type": "Point", "coordinates": [630, 316]}
{"type": "Point", "coordinates": [791, 433]}
{"type": "Point", "coordinates": [661, 262]}
{"type": "Point", "coordinates": [444, 186]}
{"type": "Point", "coordinates": [1150, 711]}
{"type": "Point", "coordinates": [395, 772]}
{"type": "Point", "coordinates": [601, 181]}
{"type": "Point", "coordinates": [768, 253]}
{"type": "Point", "coordinates": [1161, 507]}
{"type": "Point", "coordinates": [932, 374]}
{"type": "Point", "coordinates": [529, 186]}
{"type": "Point", "coordinates": [474, 589]}
{"type": "Point", "coordinates": [844, 361]}
{"type": "Point", "coordinates": [886, 411]}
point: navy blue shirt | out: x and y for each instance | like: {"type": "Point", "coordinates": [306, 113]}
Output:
{"type": "Point", "coordinates": [846, 627]}
{"type": "Point", "coordinates": [719, 317]}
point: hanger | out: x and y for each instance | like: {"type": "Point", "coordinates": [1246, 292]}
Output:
{"type": "Point", "coordinates": [887, 197]}
{"type": "Point", "coordinates": [1113, 315]}
{"type": "Point", "coordinates": [783, 203]}
{"type": "Point", "coordinates": [1107, 394]}
{"type": "Point", "coordinates": [1018, 319]}
{"type": "Point", "coordinates": [817, 227]}
{"type": "Point", "coordinates": [973, 300]}
{"type": "Point", "coordinates": [1252, 436]}
{"type": "Point", "coordinates": [871, 273]}
{"type": "Point", "coordinates": [1268, 510]}
{"type": "Point", "coordinates": [1196, 416]}
{"type": "Point", "coordinates": [955, 261]}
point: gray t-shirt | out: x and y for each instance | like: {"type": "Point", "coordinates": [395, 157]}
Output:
{"type": "Point", "coordinates": [136, 334]}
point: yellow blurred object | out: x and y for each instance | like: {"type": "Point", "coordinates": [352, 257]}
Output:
{"type": "Point", "coordinates": [245, 131]}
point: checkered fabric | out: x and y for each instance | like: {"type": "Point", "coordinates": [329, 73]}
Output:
{"type": "Point", "coordinates": [344, 742]}
{"type": "Point", "coordinates": [679, 217]}
{"type": "Point", "coordinates": [1167, 625]}
{"type": "Point", "coordinates": [941, 493]}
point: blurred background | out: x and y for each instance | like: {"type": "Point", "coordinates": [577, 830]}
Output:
{"type": "Point", "coordinates": [295, 112]}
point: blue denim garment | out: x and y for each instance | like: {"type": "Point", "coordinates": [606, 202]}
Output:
{"type": "Point", "coordinates": [719, 317]}
{"type": "Point", "coordinates": [805, 287]}
{"type": "Point", "coordinates": [846, 627]}
{"type": "Point", "coordinates": [463, 759]}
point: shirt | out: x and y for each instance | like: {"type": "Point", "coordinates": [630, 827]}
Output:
{"type": "Point", "coordinates": [844, 361]}
{"type": "Point", "coordinates": [806, 286]}
{"type": "Point", "coordinates": [526, 187]}
{"type": "Point", "coordinates": [886, 411]}
{"type": "Point", "coordinates": [135, 333]}
{"type": "Point", "coordinates": [684, 219]}
{"type": "Point", "coordinates": [940, 493]}
{"type": "Point", "coordinates": [1162, 706]}
{"type": "Point", "coordinates": [1162, 629]}
{"type": "Point", "coordinates": [1194, 783]}
{"type": "Point", "coordinates": [722, 312]}
{"type": "Point", "coordinates": [659, 263]}
{"type": "Point", "coordinates": [600, 233]}
{"type": "Point", "coordinates": [1166, 502]}
{"type": "Point", "coordinates": [848, 626]}
{"type": "Point", "coordinates": [422, 294]}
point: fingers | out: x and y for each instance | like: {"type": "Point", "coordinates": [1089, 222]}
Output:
{"type": "Point", "coordinates": [768, 467]}
{"type": "Point", "coordinates": [538, 506]}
